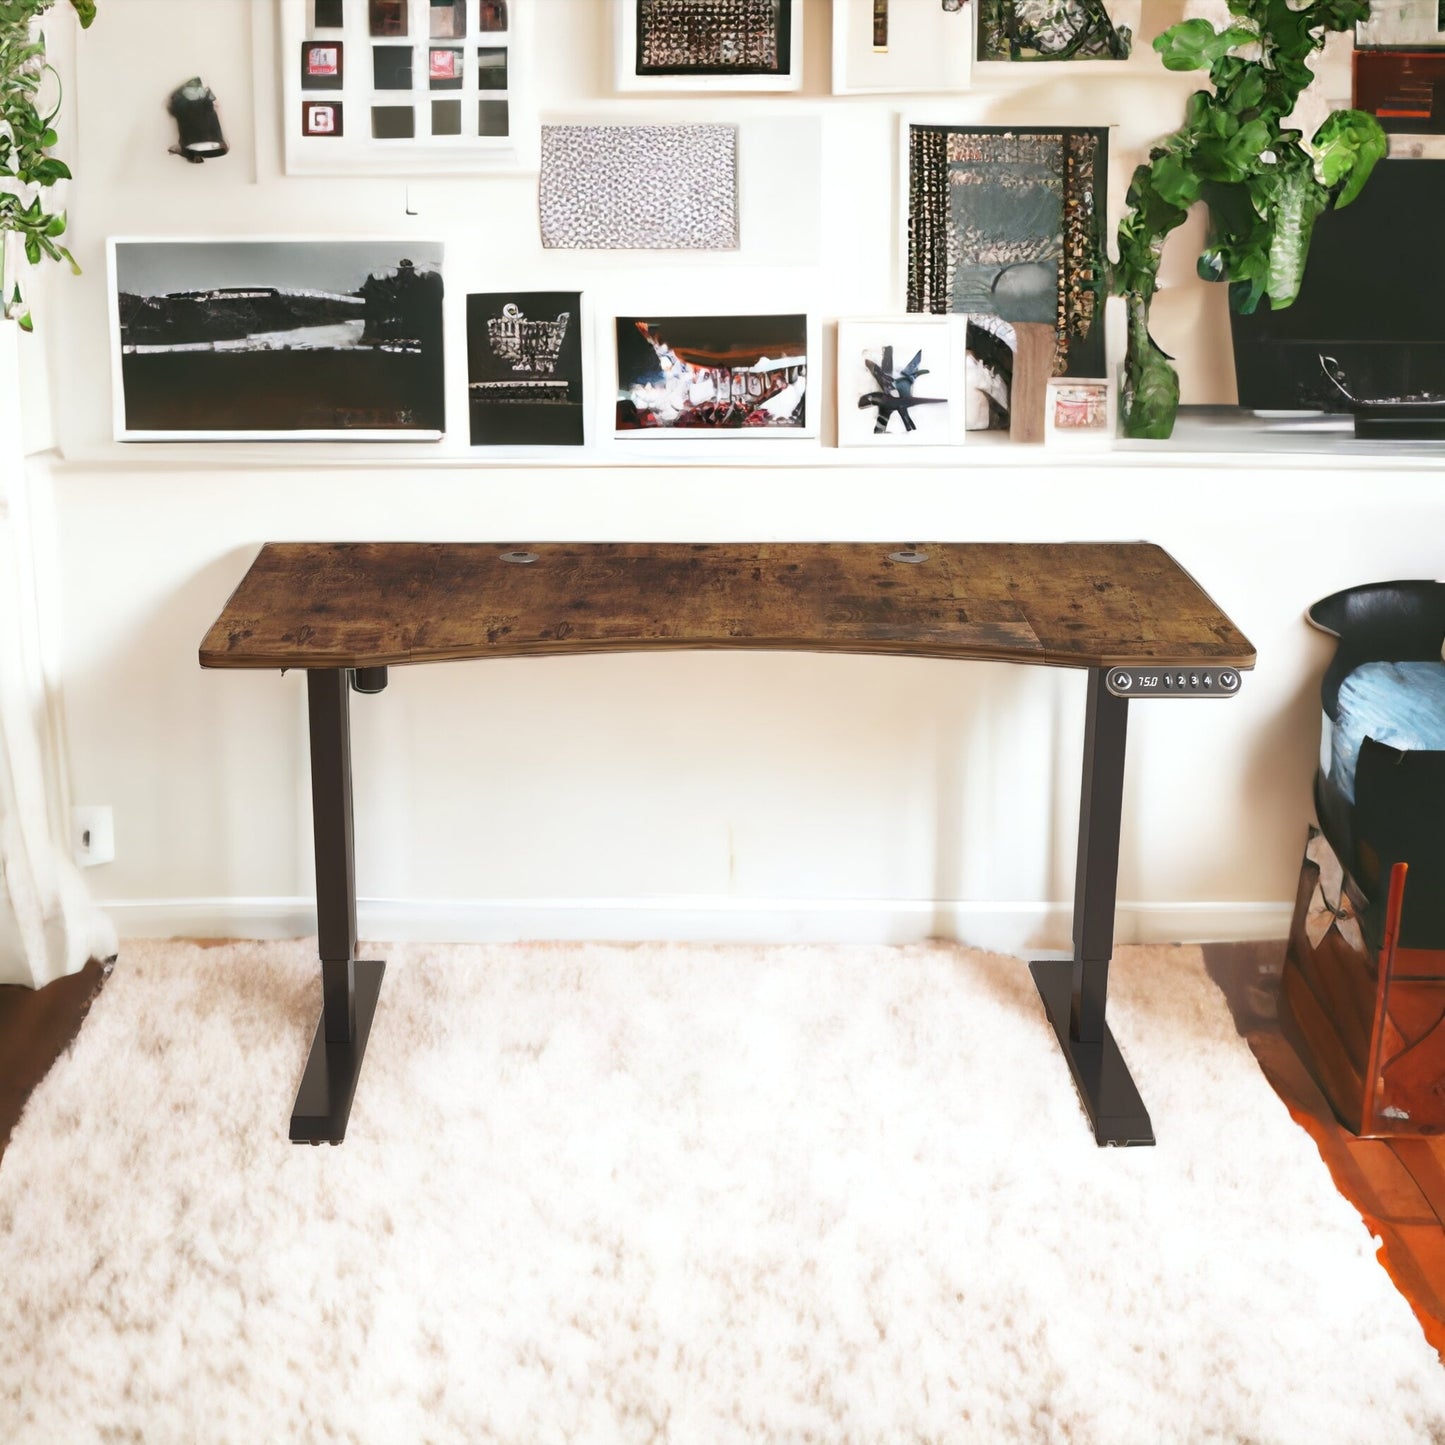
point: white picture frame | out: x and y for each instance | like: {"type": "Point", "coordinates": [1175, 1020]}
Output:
{"type": "Point", "coordinates": [1402, 24]}
{"type": "Point", "coordinates": [627, 78]}
{"type": "Point", "coordinates": [939, 341]}
{"type": "Point", "coordinates": [259, 264]}
{"type": "Point", "coordinates": [346, 145]}
{"type": "Point", "coordinates": [929, 49]}
{"type": "Point", "coordinates": [609, 391]}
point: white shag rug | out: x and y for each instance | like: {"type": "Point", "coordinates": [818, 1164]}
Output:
{"type": "Point", "coordinates": [680, 1194]}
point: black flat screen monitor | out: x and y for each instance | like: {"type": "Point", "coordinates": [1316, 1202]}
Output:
{"type": "Point", "coordinates": [1369, 322]}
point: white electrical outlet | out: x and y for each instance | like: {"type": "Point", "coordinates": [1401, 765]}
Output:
{"type": "Point", "coordinates": [92, 836]}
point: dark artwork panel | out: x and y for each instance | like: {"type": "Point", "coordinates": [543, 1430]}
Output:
{"type": "Point", "coordinates": [491, 15]}
{"type": "Point", "coordinates": [277, 337]}
{"type": "Point", "coordinates": [393, 122]}
{"type": "Point", "coordinates": [524, 368]}
{"type": "Point", "coordinates": [446, 117]}
{"type": "Point", "coordinates": [1009, 223]}
{"type": "Point", "coordinates": [321, 117]}
{"type": "Point", "coordinates": [492, 68]}
{"type": "Point", "coordinates": [448, 19]}
{"type": "Point", "coordinates": [712, 373]}
{"type": "Point", "coordinates": [329, 14]}
{"type": "Point", "coordinates": [387, 17]}
{"type": "Point", "coordinates": [714, 37]}
{"type": "Point", "coordinates": [493, 117]}
{"type": "Point", "coordinates": [1403, 89]}
{"type": "Point", "coordinates": [321, 65]}
{"type": "Point", "coordinates": [444, 68]}
{"type": "Point", "coordinates": [391, 67]}
{"type": "Point", "coordinates": [1056, 30]}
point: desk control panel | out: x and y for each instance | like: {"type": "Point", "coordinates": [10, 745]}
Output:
{"type": "Point", "coordinates": [1172, 681]}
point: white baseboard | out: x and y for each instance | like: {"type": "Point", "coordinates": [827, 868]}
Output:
{"type": "Point", "coordinates": [1002, 927]}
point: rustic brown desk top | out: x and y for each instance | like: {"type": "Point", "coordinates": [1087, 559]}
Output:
{"type": "Point", "coordinates": [375, 604]}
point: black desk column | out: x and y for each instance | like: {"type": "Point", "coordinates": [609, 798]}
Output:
{"type": "Point", "coordinates": [349, 986]}
{"type": "Point", "coordinates": [1075, 992]}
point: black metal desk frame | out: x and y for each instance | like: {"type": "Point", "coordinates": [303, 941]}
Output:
{"type": "Point", "coordinates": [1074, 991]}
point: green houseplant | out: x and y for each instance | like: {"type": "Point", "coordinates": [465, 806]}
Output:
{"type": "Point", "coordinates": [27, 169]}
{"type": "Point", "coordinates": [1263, 185]}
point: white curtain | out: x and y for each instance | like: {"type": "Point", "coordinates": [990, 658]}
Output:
{"type": "Point", "coordinates": [48, 924]}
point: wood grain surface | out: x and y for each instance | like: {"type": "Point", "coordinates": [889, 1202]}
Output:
{"type": "Point", "coordinates": [373, 604]}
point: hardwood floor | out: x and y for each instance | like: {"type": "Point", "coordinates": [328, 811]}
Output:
{"type": "Point", "coordinates": [1397, 1185]}
{"type": "Point", "coordinates": [36, 1027]}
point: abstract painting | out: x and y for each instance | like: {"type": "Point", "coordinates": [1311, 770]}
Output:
{"type": "Point", "coordinates": [1411, 24]}
{"type": "Point", "coordinates": [1008, 223]}
{"type": "Point", "coordinates": [1403, 89]}
{"type": "Point", "coordinates": [988, 374]}
{"type": "Point", "coordinates": [713, 37]}
{"type": "Point", "coordinates": [225, 339]}
{"type": "Point", "coordinates": [1050, 30]}
{"type": "Point", "coordinates": [524, 368]}
{"type": "Point", "coordinates": [710, 374]}
{"type": "Point", "coordinates": [899, 381]}
{"type": "Point", "coordinates": [639, 187]}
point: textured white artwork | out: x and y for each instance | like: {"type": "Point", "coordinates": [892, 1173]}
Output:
{"type": "Point", "coordinates": [639, 187]}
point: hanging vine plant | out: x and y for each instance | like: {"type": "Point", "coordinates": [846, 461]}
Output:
{"type": "Point", "coordinates": [27, 169]}
{"type": "Point", "coordinates": [1264, 186]}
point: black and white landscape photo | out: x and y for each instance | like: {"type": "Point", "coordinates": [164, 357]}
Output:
{"type": "Point", "coordinates": [524, 368]}
{"type": "Point", "coordinates": [289, 339]}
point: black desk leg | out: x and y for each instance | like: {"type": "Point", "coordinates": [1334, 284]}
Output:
{"type": "Point", "coordinates": [349, 986]}
{"type": "Point", "coordinates": [1074, 992]}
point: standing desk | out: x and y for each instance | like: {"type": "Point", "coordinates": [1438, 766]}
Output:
{"type": "Point", "coordinates": [345, 612]}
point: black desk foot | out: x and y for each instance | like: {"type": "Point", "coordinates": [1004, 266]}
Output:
{"type": "Point", "coordinates": [323, 1102]}
{"type": "Point", "coordinates": [1100, 1073]}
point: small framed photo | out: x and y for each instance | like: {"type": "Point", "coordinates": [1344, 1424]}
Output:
{"type": "Point", "coordinates": [321, 117]}
{"type": "Point", "coordinates": [901, 381]}
{"type": "Point", "coordinates": [448, 19]}
{"type": "Point", "coordinates": [387, 17]}
{"type": "Point", "coordinates": [1080, 413]}
{"type": "Point", "coordinates": [444, 68]}
{"type": "Point", "coordinates": [321, 65]}
{"type": "Point", "coordinates": [492, 16]}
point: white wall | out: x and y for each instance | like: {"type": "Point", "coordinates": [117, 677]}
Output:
{"type": "Point", "coordinates": [702, 794]}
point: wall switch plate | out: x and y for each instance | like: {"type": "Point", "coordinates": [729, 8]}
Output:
{"type": "Point", "coordinates": [92, 836]}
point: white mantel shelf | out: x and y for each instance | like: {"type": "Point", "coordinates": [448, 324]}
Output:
{"type": "Point", "coordinates": [1204, 437]}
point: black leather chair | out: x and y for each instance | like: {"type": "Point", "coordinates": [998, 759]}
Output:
{"type": "Point", "coordinates": [1398, 812]}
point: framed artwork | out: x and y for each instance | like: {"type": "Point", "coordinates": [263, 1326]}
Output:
{"type": "Point", "coordinates": [280, 339]}
{"type": "Point", "coordinates": [1403, 89]}
{"type": "Point", "coordinates": [682, 45]}
{"type": "Point", "coordinates": [427, 86]}
{"type": "Point", "coordinates": [1080, 413]}
{"type": "Point", "coordinates": [1406, 24]}
{"type": "Point", "coordinates": [703, 376]}
{"type": "Point", "coordinates": [639, 187]}
{"type": "Point", "coordinates": [1008, 222]}
{"type": "Point", "coordinates": [524, 369]}
{"type": "Point", "coordinates": [1074, 31]}
{"type": "Point", "coordinates": [900, 381]}
{"type": "Point", "coordinates": [901, 45]}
